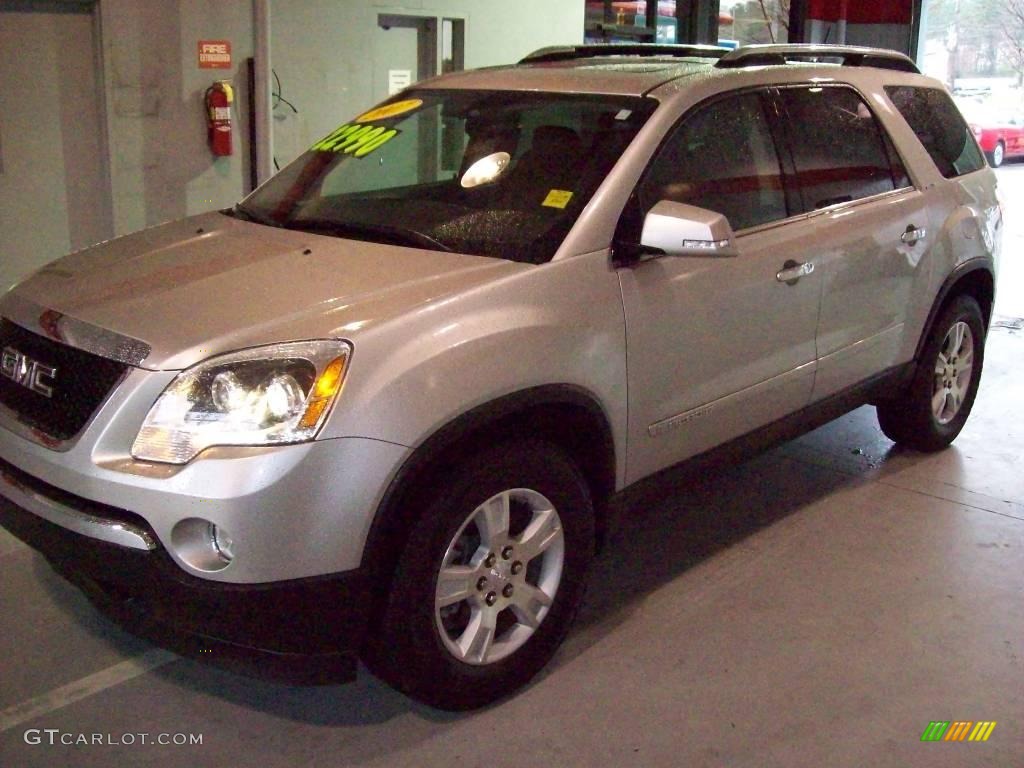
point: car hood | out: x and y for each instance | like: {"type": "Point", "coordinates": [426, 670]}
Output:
{"type": "Point", "coordinates": [211, 284]}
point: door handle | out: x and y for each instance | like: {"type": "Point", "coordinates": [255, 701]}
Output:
{"type": "Point", "coordinates": [913, 234]}
{"type": "Point", "coordinates": [792, 271]}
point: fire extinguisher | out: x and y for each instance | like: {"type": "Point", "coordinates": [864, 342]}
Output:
{"type": "Point", "coordinates": [218, 98]}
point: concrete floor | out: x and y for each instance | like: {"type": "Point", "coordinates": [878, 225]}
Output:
{"type": "Point", "coordinates": [816, 606]}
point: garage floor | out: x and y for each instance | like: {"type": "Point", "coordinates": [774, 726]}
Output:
{"type": "Point", "coordinates": [816, 606]}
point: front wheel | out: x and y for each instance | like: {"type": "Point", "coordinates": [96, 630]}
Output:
{"type": "Point", "coordinates": [997, 155]}
{"type": "Point", "coordinates": [490, 579]}
{"type": "Point", "coordinates": [931, 412]}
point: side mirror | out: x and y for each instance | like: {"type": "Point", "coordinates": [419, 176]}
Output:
{"type": "Point", "coordinates": [677, 229]}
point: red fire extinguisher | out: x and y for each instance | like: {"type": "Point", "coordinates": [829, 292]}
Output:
{"type": "Point", "coordinates": [218, 99]}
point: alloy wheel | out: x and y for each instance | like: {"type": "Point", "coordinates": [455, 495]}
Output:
{"type": "Point", "coordinates": [499, 576]}
{"type": "Point", "coordinates": [953, 369]}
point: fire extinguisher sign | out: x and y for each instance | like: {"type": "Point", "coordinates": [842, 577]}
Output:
{"type": "Point", "coordinates": [215, 54]}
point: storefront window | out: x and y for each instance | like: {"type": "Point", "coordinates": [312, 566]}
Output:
{"type": "Point", "coordinates": [613, 21]}
{"type": "Point", "coordinates": [754, 21]}
{"type": "Point", "coordinates": [976, 47]}
{"type": "Point", "coordinates": [739, 23]}
{"type": "Point", "coordinates": [595, 14]}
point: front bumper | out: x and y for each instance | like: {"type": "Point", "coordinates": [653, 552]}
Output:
{"type": "Point", "coordinates": [295, 592]}
{"type": "Point", "coordinates": [293, 511]}
{"type": "Point", "coordinates": [308, 629]}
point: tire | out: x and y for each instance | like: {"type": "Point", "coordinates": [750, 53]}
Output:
{"type": "Point", "coordinates": [509, 597]}
{"type": "Point", "coordinates": [933, 409]}
{"type": "Point", "coordinates": [997, 155]}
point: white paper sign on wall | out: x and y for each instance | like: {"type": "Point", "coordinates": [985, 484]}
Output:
{"type": "Point", "coordinates": [398, 79]}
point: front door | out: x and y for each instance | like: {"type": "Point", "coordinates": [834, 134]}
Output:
{"type": "Point", "coordinates": [717, 347]}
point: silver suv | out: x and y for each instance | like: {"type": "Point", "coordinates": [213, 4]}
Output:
{"type": "Point", "coordinates": [377, 408]}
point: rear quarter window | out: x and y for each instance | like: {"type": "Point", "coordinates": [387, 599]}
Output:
{"type": "Point", "coordinates": [939, 126]}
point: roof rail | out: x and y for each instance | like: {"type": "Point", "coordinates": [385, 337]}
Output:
{"type": "Point", "coordinates": [570, 52]}
{"type": "Point", "coordinates": [848, 55]}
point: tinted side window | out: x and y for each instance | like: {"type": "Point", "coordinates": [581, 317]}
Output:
{"type": "Point", "coordinates": [940, 127]}
{"type": "Point", "coordinates": [721, 157]}
{"type": "Point", "coordinates": [838, 149]}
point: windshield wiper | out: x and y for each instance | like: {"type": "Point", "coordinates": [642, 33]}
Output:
{"type": "Point", "coordinates": [240, 212]}
{"type": "Point", "coordinates": [371, 232]}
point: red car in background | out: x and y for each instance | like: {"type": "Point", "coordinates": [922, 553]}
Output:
{"type": "Point", "coordinates": [999, 139]}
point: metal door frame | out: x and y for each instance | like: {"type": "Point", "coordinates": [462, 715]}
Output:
{"type": "Point", "coordinates": [92, 8]}
{"type": "Point", "coordinates": [426, 39]}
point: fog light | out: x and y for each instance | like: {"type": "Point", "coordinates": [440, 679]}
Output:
{"type": "Point", "coordinates": [222, 543]}
{"type": "Point", "coordinates": [202, 545]}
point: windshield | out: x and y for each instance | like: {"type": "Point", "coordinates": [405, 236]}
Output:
{"type": "Point", "coordinates": [501, 174]}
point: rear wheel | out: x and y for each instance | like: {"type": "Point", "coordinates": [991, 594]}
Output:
{"type": "Point", "coordinates": [932, 411]}
{"type": "Point", "coordinates": [490, 579]}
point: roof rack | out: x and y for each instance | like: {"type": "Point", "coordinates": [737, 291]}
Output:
{"type": "Point", "coordinates": [570, 52]}
{"type": "Point", "coordinates": [848, 55]}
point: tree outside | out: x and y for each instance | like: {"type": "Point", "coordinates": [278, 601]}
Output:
{"type": "Point", "coordinates": [976, 47]}
{"type": "Point", "coordinates": [1012, 28]}
{"type": "Point", "coordinates": [758, 21]}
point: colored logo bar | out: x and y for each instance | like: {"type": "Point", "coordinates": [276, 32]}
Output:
{"type": "Point", "coordinates": [958, 730]}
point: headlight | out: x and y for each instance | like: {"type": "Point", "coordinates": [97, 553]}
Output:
{"type": "Point", "coordinates": [261, 396]}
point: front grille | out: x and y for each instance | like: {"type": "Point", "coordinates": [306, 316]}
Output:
{"type": "Point", "coordinates": [79, 385]}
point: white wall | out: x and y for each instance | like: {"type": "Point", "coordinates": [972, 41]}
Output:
{"type": "Point", "coordinates": [325, 54]}
{"type": "Point", "coordinates": [160, 165]}
{"type": "Point", "coordinates": [51, 167]}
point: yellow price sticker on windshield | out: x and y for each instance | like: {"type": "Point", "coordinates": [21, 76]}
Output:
{"type": "Point", "coordinates": [557, 198]}
{"type": "Point", "coordinates": [390, 110]}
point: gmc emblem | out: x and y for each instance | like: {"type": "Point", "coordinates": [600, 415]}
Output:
{"type": "Point", "coordinates": [30, 373]}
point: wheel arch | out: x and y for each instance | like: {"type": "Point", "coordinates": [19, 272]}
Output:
{"type": "Point", "coordinates": [566, 415]}
{"type": "Point", "coordinates": [975, 278]}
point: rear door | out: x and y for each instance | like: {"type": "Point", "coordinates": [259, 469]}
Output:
{"type": "Point", "coordinates": [869, 231]}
